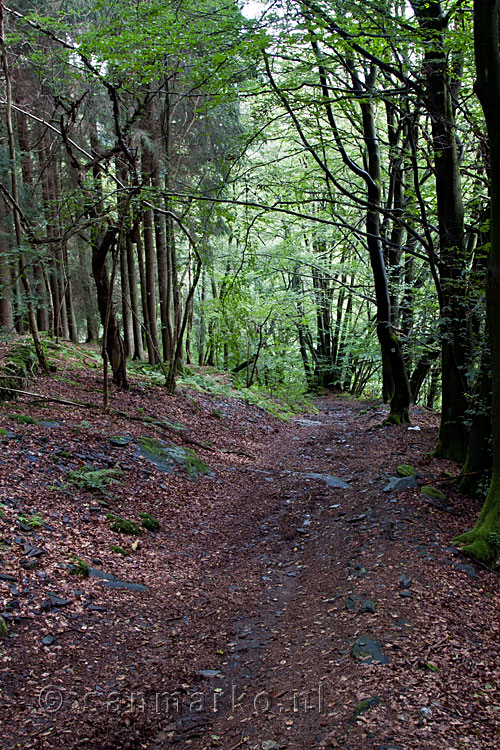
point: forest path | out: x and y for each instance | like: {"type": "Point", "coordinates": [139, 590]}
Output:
{"type": "Point", "coordinates": [338, 649]}
{"type": "Point", "coordinates": [272, 609]}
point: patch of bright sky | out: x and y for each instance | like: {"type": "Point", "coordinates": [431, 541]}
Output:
{"type": "Point", "coordinates": [252, 8]}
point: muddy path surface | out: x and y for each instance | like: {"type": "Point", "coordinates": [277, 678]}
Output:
{"type": "Point", "coordinates": [294, 597]}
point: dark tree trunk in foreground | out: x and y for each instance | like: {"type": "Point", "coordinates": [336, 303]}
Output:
{"type": "Point", "coordinates": [453, 437]}
{"type": "Point", "coordinates": [483, 541]}
{"type": "Point", "coordinates": [114, 345]}
{"type": "Point", "coordinates": [392, 355]}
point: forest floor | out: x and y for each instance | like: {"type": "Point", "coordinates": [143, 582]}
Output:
{"type": "Point", "coordinates": [272, 609]}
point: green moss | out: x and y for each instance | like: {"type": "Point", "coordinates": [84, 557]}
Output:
{"type": "Point", "coordinates": [80, 567]}
{"type": "Point", "coordinates": [151, 445]}
{"type": "Point", "coordinates": [123, 525]}
{"type": "Point", "coordinates": [483, 541]}
{"type": "Point", "coordinates": [22, 418]}
{"type": "Point", "coordinates": [148, 522]}
{"type": "Point", "coordinates": [432, 492]}
{"type": "Point", "coordinates": [4, 630]}
{"type": "Point", "coordinates": [405, 470]}
{"type": "Point", "coordinates": [119, 550]}
{"type": "Point", "coordinates": [3, 432]}
{"type": "Point", "coordinates": [392, 419]}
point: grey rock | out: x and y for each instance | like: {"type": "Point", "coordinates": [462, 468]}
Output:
{"type": "Point", "coordinates": [466, 569]}
{"type": "Point", "coordinates": [400, 483]}
{"type": "Point", "coordinates": [112, 582]}
{"type": "Point", "coordinates": [125, 585]}
{"type": "Point", "coordinates": [207, 673]}
{"type": "Point", "coordinates": [368, 651]}
{"type": "Point", "coordinates": [367, 607]}
{"type": "Point", "coordinates": [331, 481]}
{"type": "Point", "coordinates": [405, 581]}
{"type": "Point", "coordinates": [48, 640]}
{"type": "Point", "coordinates": [57, 601]}
{"type": "Point", "coordinates": [166, 457]}
{"type": "Point", "coordinates": [119, 441]}
{"type": "Point", "coordinates": [426, 712]}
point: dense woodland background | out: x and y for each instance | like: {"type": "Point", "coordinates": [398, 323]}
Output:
{"type": "Point", "coordinates": [301, 198]}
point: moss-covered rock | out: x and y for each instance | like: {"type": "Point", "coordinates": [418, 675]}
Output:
{"type": "Point", "coordinates": [18, 369]}
{"type": "Point", "coordinates": [433, 492]}
{"type": "Point", "coordinates": [148, 522]}
{"type": "Point", "coordinates": [165, 457]}
{"type": "Point", "coordinates": [123, 525]}
{"type": "Point", "coordinates": [406, 470]}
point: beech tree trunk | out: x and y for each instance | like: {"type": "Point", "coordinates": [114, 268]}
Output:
{"type": "Point", "coordinates": [453, 436]}
{"type": "Point", "coordinates": [483, 541]}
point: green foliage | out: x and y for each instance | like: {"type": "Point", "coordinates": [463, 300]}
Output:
{"type": "Point", "coordinates": [405, 470]}
{"type": "Point", "coordinates": [94, 480]}
{"type": "Point", "coordinates": [79, 567]}
{"type": "Point", "coordinates": [148, 522]}
{"type": "Point", "coordinates": [119, 550]}
{"type": "Point", "coordinates": [123, 525]}
{"type": "Point", "coordinates": [22, 418]}
{"type": "Point", "coordinates": [34, 521]}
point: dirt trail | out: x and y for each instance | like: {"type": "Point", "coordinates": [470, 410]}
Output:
{"type": "Point", "coordinates": [338, 565]}
{"type": "Point", "coordinates": [281, 610]}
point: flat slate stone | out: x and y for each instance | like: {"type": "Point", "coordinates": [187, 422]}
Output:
{"type": "Point", "coordinates": [119, 441]}
{"type": "Point", "coordinates": [207, 673]}
{"type": "Point", "coordinates": [400, 483]}
{"type": "Point", "coordinates": [332, 481]}
{"type": "Point", "coordinates": [471, 572]}
{"type": "Point", "coordinates": [107, 579]}
{"type": "Point", "coordinates": [368, 651]}
{"type": "Point", "coordinates": [125, 585]}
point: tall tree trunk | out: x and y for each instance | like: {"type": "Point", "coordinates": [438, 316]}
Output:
{"type": "Point", "coordinates": [483, 541]}
{"type": "Point", "coordinates": [101, 246]}
{"type": "Point", "coordinates": [6, 314]}
{"type": "Point", "coordinates": [162, 267]}
{"type": "Point", "coordinates": [392, 354]}
{"type": "Point", "coordinates": [138, 350]}
{"type": "Point", "coordinates": [23, 136]}
{"type": "Point", "coordinates": [15, 197]}
{"type": "Point", "coordinates": [150, 268]}
{"type": "Point", "coordinates": [128, 334]}
{"type": "Point", "coordinates": [453, 437]}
